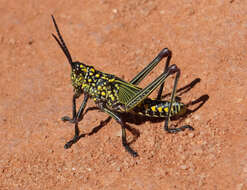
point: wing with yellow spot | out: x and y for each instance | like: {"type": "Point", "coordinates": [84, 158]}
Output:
{"type": "Point", "coordinates": [126, 91]}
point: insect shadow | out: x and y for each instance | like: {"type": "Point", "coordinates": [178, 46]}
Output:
{"type": "Point", "coordinates": [138, 119]}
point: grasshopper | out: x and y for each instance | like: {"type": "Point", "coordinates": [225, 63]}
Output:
{"type": "Point", "coordinates": [114, 96]}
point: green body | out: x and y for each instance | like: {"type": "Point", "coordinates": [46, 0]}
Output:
{"type": "Point", "coordinates": [114, 93]}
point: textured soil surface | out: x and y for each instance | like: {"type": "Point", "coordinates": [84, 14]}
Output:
{"type": "Point", "coordinates": [208, 39]}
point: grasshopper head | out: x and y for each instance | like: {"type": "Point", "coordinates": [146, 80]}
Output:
{"type": "Point", "coordinates": [78, 69]}
{"type": "Point", "coordinates": [78, 73]}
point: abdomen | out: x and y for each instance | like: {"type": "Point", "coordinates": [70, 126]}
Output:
{"type": "Point", "coordinates": [157, 108]}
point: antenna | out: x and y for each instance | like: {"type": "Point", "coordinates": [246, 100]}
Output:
{"type": "Point", "coordinates": [61, 42]}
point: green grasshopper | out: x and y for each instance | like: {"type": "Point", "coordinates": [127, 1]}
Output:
{"type": "Point", "coordinates": [114, 96]}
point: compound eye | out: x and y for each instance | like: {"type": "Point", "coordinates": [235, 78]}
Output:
{"type": "Point", "coordinates": [79, 68]}
{"type": "Point", "coordinates": [76, 68]}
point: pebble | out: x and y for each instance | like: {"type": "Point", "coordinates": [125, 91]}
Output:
{"type": "Point", "coordinates": [188, 120]}
{"type": "Point", "coordinates": [239, 100]}
{"type": "Point", "coordinates": [162, 12]}
{"type": "Point", "coordinates": [240, 186]}
{"type": "Point", "coordinates": [119, 133]}
{"type": "Point", "coordinates": [114, 11]}
{"type": "Point", "coordinates": [196, 117]}
{"type": "Point", "coordinates": [12, 41]}
{"type": "Point", "coordinates": [118, 169]}
{"type": "Point", "coordinates": [184, 167]}
{"type": "Point", "coordinates": [191, 135]}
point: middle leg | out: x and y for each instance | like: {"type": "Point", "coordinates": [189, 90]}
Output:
{"type": "Point", "coordinates": [121, 122]}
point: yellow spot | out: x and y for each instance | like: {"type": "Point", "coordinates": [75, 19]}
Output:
{"type": "Point", "coordinates": [153, 108]}
{"type": "Point", "coordinates": [94, 99]}
{"type": "Point", "coordinates": [160, 109]}
{"type": "Point", "coordinates": [83, 68]}
{"type": "Point", "coordinates": [112, 98]}
{"type": "Point", "coordinates": [84, 85]}
{"type": "Point", "coordinates": [99, 87]}
{"type": "Point", "coordinates": [111, 80]}
{"type": "Point", "coordinates": [103, 93]}
{"type": "Point", "coordinates": [166, 109]}
{"type": "Point", "coordinates": [104, 87]}
{"type": "Point", "coordinates": [92, 70]}
{"type": "Point", "coordinates": [97, 75]}
{"type": "Point", "coordinates": [89, 80]}
{"type": "Point", "coordinates": [91, 74]}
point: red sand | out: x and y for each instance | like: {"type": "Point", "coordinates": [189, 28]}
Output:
{"type": "Point", "coordinates": [208, 40]}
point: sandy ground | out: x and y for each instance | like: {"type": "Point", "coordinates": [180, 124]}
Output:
{"type": "Point", "coordinates": [208, 39]}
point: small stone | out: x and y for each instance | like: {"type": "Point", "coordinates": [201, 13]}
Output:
{"type": "Point", "coordinates": [119, 133]}
{"type": "Point", "coordinates": [240, 186]}
{"type": "Point", "coordinates": [51, 151]}
{"type": "Point", "coordinates": [191, 135]}
{"type": "Point", "coordinates": [188, 120]}
{"type": "Point", "coordinates": [239, 100]}
{"type": "Point", "coordinates": [12, 41]}
{"type": "Point", "coordinates": [114, 11]}
{"type": "Point", "coordinates": [196, 117]}
{"type": "Point", "coordinates": [184, 167]}
{"type": "Point", "coordinates": [162, 12]}
{"type": "Point", "coordinates": [118, 169]}
{"type": "Point", "coordinates": [30, 42]}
